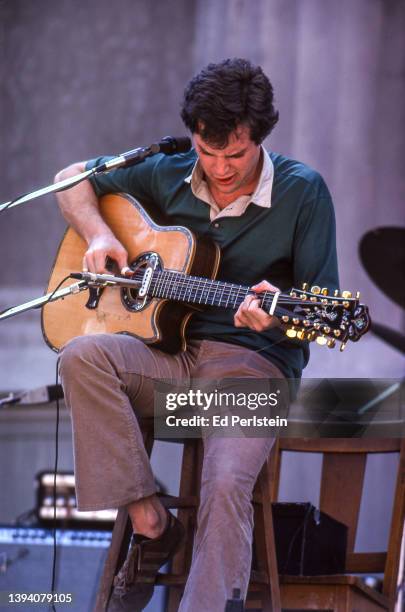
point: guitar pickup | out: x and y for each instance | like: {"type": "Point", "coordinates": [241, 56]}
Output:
{"type": "Point", "coordinates": [150, 267]}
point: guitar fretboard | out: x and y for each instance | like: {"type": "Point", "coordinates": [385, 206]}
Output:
{"type": "Point", "coordinates": [196, 290]}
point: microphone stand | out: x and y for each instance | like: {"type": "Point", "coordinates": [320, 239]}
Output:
{"type": "Point", "coordinates": [49, 297]}
{"type": "Point", "coordinates": [60, 186]}
{"type": "Point", "coordinates": [87, 280]}
{"type": "Point", "coordinates": [133, 157]}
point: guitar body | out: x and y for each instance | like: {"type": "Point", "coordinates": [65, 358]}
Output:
{"type": "Point", "coordinates": [159, 322]}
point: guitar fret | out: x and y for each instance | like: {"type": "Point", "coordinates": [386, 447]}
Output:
{"type": "Point", "coordinates": [190, 289]}
{"type": "Point", "coordinates": [209, 285]}
{"type": "Point", "coordinates": [183, 287]}
{"type": "Point", "coordinates": [206, 290]}
{"type": "Point", "coordinates": [166, 285]}
{"type": "Point", "coordinates": [158, 288]}
{"type": "Point", "coordinates": [182, 282]}
{"type": "Point", "coordinates": [164, 282]}
{"type": "Point", "coordinates": [188, 285]}
{"type": "Point", "coordinates": [200, 289]}
{"type": "Point", "coordinates": [229, 295]}
{"type": "Point", "coordinates": [236, 295]}
{"type": "Point", "coordinates": [215, 284]}
{"type": "Point", "coordinates": [152, 287]}
{"type": "Point", "coordinates": [159, 279]}
{"type": "Point", "coordinates": [176, 287]}
{"type": "Point", "coordinates": [222, 294]}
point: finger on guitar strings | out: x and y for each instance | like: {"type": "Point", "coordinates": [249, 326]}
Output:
{"type": "Point", "coordinates": [241, 318]}
{"type": "Point", "coordinates": [126, 271]}
{"type": "Point", "coordinates": [251, 315]}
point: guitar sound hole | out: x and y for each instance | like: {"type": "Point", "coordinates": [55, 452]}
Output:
{"type": "Point", "coordinates": [130, 297]}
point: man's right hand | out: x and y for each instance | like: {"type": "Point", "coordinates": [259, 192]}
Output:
{"type": "Point", "coordinates": [101, 247]}
{"type": "Point", "coordinates": [79, 206]}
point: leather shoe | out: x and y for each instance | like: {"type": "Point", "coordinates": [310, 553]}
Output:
{"type": "Point", "coordinates": [135, 582]}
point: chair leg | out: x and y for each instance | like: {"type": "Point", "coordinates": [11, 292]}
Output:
{"type": "Point", "coordinates": [120, 540]}
{"type": "Point", "coordinates": [272, 598]}
{"type": "Point", "coordinates": [189, 487]}
{"type": "Point", "coordinates": [116, 555]}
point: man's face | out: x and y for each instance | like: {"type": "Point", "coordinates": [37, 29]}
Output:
{"type": "Point", "coordinates": [232, 169]}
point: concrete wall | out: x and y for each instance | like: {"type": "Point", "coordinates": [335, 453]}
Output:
{"type": "Point", "coordinates": [84, 78]}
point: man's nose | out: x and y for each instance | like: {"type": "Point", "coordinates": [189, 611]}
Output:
{"type": "Point", "coordinates": [221, 167]}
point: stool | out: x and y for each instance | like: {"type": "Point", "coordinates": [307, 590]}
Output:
{"type": "Point", "coordinates": [263, 591]}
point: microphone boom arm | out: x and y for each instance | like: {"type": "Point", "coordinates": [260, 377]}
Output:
{"type": "Point", "coordinates": [167, 145]}
{"type": "Point", "coordinates": [59, 186]}
{"type": "Point", "coordinates": [44, 299]}
{"type": "Point", "coordinates": [86, 281]}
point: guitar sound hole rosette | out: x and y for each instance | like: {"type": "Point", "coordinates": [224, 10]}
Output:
{"type": "Point", "coordinates": [130, 297]}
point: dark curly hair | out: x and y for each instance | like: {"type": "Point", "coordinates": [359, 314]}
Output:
{"type": "Point", "coordinates": [225, 95]}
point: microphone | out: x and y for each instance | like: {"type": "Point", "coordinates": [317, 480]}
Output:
{"type": "Point", "coordinates": [105, 279]}
{"type": "Point", "coordinates": [168, 145]}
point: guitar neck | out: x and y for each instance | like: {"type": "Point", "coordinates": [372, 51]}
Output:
{"type": "Point", "coordinates": [204, 291]}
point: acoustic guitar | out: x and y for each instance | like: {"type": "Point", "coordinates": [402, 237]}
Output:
{"type": "Point", "coordinates": [176, 271]}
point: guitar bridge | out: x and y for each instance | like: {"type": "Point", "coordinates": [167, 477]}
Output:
{"type": "Point", "coordinates": [95, 294]}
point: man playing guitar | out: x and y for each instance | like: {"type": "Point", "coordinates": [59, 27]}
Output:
{"type": "Point", "coordinates": [272, 218]}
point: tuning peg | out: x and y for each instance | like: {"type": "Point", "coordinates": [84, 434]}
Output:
{"type": "Point", "coordinates": [343, 346]}
{"type": "Point", "coordinates": [315, 289]}
{"type": "Point", "coordinates": [325, 291]}
{"type": "Point", "coordinates": [291, 332]}
{"type": "Point", "coordinates": [305, 286]}
{"type": "Point", "coordinates": [311, 336]}
{"type": "Point", "coordinates": [296, 321]}
{"type": "Point", "coordinates": [285, 319]}
{"type": "Point", "coordinates": [331, 343]}
{"type": "Point", "coordinates": [326, 330]}
{"type": "Point", "coordinates": [336, 293]}
{"type": "Point", "coordinates": [346, 295]}
{"type": "Point", "coordinates": [337, 333]}
{"type": "Point", "coordinates": [301, 335]}
{"type": "Point", "coordinates": [357, 295]}
{"type": "Point", "coordinates": [322, 340]}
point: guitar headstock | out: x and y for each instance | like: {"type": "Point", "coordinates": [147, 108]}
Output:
{"type": "Point", "coordinates": [317, 316]}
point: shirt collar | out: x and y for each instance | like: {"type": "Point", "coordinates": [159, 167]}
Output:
{"type": "Point", "coordinates": [261, 195]}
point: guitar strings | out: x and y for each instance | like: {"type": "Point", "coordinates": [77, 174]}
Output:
{"type": "Point", "coordinates": [164, 281]}
{"type": "Point", "coordinates": [227, 288]}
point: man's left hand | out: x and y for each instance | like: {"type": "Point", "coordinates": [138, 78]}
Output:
{"type": "Point", "coordinates": [249, 313]}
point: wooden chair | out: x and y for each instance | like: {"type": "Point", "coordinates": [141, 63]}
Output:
{"type": "Point", "coordinates": [264, 592]}
{"type": "Point", "coordinates": [343, 470]}
{"type": "Point", "coordinates": [344, 462]}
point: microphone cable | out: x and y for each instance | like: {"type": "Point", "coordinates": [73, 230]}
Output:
{"type": "Point", "coordinates": [55, 470]}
